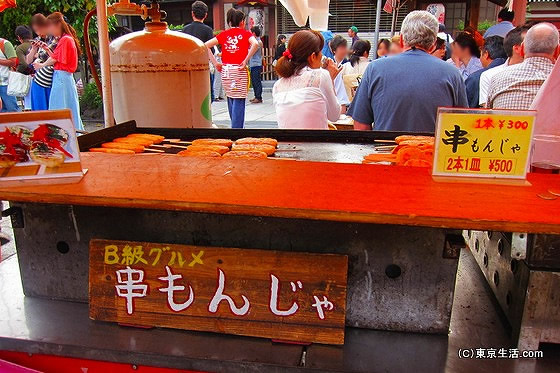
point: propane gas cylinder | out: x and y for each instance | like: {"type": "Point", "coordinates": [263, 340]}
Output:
{"type": "Point", "coordinates": [160, 78]}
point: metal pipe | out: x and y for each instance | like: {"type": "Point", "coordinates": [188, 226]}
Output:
{"type": "Point", "coordinates": [377, 21]}
{"type": "Point", "coordinates": [103, 34]}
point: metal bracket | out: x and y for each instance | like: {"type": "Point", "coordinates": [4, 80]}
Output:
{"type": "Point", "coordinates": [16, 213]}
{"type": "Point", "coordinates": [453, 245]}
{"type": "Point", "coordinates": [519, 246]}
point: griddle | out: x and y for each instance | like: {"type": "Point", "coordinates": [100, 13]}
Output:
{"type": "Point", "coordinates": [307, 145]}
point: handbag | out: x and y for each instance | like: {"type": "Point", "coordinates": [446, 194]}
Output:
{"type": "Point", "coordinates": [18, 84]}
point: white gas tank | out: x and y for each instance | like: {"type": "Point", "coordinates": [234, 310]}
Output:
{"type": "Point", "coordinates": [160, 78]}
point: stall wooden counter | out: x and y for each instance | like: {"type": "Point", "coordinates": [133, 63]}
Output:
{"type": "Point", "coordinates": [308, 190]}
{"type": "Point", "coordinates": [396, 225]}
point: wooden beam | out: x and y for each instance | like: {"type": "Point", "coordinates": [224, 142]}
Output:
{"type": "Point", "coordinates": [218, 15]}
{"type": "Point", "coordinates": [520, 9]}
{"type": "Point", "coordinates": [472, 13]}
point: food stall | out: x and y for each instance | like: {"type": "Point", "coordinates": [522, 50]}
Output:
{"type": "Point", "coordinates": [397, 226]}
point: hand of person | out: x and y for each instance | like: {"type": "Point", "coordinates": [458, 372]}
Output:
{"type": "Point", "coordinates": [38, 66]}
{"type": "Point", "coordinates": [333, 69]}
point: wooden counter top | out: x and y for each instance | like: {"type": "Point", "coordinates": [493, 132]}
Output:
{"type": "Point", "coordinates": [289, 189]}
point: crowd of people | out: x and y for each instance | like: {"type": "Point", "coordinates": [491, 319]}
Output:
{"type": "Point", "coordinates": [51, 58]}
{"type": "Point", "coordinates": [414, 74]}
{"type": "Point", "coordinates": [397, 87]}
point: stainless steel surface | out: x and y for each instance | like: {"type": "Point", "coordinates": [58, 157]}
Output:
{"type": "Point", "coordinates": [398, 278]}
{"type": "Point", "coordinates": [527, 295]}
{"type": "Point", "coordinates": [324, 152]}
{"type": "Point", "coordinates": [519, 245]}
{"type": "Point", "coordinates": [35, 325]}
{"type": "Point", "coordinates": [541, 314]}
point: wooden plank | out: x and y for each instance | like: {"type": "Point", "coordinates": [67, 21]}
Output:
{"type": "Point", "coordinates": [287, 293]}
{"type": "Point", "coordinates": [325, 191]}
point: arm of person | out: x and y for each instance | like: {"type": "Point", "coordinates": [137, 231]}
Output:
{"type": "Point", "coordinates": [209, 45]}
{"type": "Point", "coordinates": [327, 88]}
{"type": "Point", "coordinates": [254, 48]}
{"type": "Point", "coordinates": [461, 93]}
{"type": "Point", "coordinates": [361, 108]}
{"type": "Point", "coordinates": [22, 60]}
{"type": "Point", "coordinates": [483, 90]}
{"type": "Point", "coordinates": [49, 62]}
{"type": "Point", "coordinates": [32, 54]}
{"type": "Point", "coordinates": [359, 126]}
{"type": "Point", "coordinates": [10, 53]}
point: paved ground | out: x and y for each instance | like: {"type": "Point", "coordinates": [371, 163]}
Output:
{"type": "Point", "coordinates": [256, 115]}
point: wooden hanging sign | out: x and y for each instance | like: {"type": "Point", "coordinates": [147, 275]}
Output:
{"type": "Point", "coordinates": [290, 296]}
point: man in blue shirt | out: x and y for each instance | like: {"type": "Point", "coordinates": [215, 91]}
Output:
{"type": "Point", "coordinates": [493, 54]}
{"type": "Point", "coordinates": [403, 92]}
{"type": "Point", "coordinates": [504, 25]}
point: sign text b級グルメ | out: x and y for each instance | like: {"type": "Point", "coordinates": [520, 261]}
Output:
{"type": "Point", "coordinates": [273, 294]}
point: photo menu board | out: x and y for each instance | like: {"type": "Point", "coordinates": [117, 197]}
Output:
{"type": "Point", "coordinates": [38, 146]}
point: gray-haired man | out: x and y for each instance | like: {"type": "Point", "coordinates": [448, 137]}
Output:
{"type": "Point", "coordinates": [515, 87]}
{"type": "Point", "coordinates": [403, 92]}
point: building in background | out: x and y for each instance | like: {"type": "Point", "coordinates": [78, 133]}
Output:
{"type": "Point", "coordinates": [544, 10]}
{"type": "Point", "coordinates": [179, 13]}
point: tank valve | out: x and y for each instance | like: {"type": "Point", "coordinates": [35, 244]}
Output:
{"type": "Point", "coordinates": [153, 12]}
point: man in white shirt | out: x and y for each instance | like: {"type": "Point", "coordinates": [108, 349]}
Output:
{"type": "Point", "coordinates": [512, 45]}
{"type": "Point", "coordinates": [339, 48]}
{"type": "Point", "coordinates": [516, 87]}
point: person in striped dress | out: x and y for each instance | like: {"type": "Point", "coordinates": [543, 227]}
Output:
{"type": "Point", "coordinates": [238, 46]}
{"type": "Point", "coordinates": [41, 46]}
{"type": "Point", "coordinates": [64, 59]}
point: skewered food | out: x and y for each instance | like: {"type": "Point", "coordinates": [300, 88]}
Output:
{"type": "Point", "coordinates": [134, 140]}
{"type": "Point", "coordinates": [268, 149]}
{"type": "Point", "coordinates": [258, 141]}
{"type": "Point", "coordinates": [415, 151]}
{"type": "Point", "coordinates": [201, 153]}
{"type": "Point", "coordinates": [49, 132]}
{"type": "Point", "coordinates": [112, 151]}
{"type": "Point", "coordinates": [251, 154]}
{"type": "Point", "coordinates": [425, 139]}
{"type": "Point", "coordinates": [417, 163]}
{"type": "Point", "coordinates": [12, 149]}
{"type": "Point", "coordinates": [221, 142]}
{"type": "Point", "coordinates": [23, 133]}
{"type": "Point", "coordinates": [45, 155]}
{"type": "Point", "coordinates": [216, 148]}
{"type": "Point", "coordinates": [157, 139]}
{"type": "Point", "coordinates": [122, 145]}
{"type": "Point", "coordinates": [380, 157]}
{"type": "Point", "coordinates": [54, 138]}
{"type": "Point", "coordinates": [7, 160]}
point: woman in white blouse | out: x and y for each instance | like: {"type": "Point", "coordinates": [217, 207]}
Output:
{"type": "Point", "coordinates": [304, 95]}
{"type": "Point", "coordinates": [359, 59]}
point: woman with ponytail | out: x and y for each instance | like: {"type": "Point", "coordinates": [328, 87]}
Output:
{"type": "Point", "coordinates": [304, 95]}
{"type": "Point", "coordinates": [64, 59]}
{"type": "Point", "coordinates": [359, 59]}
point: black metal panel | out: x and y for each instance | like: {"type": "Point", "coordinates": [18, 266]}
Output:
{"type": "Point", "coordinates": [543, 251]}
